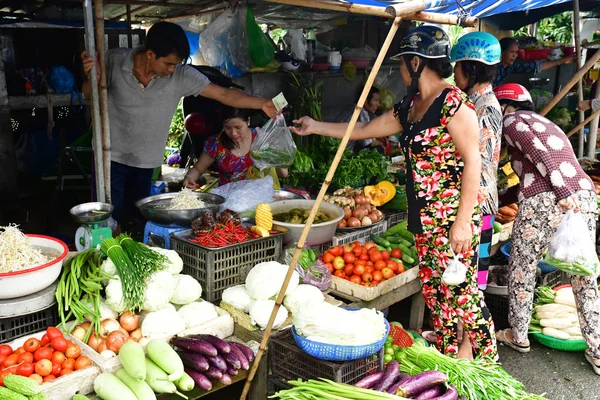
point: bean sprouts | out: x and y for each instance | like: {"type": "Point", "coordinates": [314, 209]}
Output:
{"type": "Point", "coordinates": [185, 200]}
{"type": "Point", "coordinates": [16, 251]}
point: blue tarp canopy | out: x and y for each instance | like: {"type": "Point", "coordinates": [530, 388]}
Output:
{"type": "Point", "coordinates": [504, 14]}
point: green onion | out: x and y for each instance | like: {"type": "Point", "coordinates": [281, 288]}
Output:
{"type": "Point", "coordinates": [144, 259]}
{"type": "Point", "coordinates": [131, 280]}
{"type": "Point", "coordinates": [325, 389]}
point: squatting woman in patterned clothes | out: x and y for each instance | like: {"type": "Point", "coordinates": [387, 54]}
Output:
{"type": "Point", "coordinates": [440, 137]}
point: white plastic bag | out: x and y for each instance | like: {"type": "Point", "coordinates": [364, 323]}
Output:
{"type": "Point", "coordinates": [455, 273]}
{"type": "Point", "coordinates": [246, 195]}
{"type": "Point", "coordinates": [571, 248]}
{"type": "Point", "coordinates": [274, 145]}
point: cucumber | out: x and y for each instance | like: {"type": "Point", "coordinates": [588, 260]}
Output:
{"type": "Point", "coordinates": [405, 250]}
{"type": "Point", "coordinates": [380, 248]}
{"type": "Point", "coordinates": [380, 241]}
{"type": "Point", "coordinates": [406, 235]}
{"type": "Point", "coordinates": [408, 259]}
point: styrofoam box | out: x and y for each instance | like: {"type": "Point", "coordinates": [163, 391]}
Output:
{"type": "Point", "coordinates": [370, 293]}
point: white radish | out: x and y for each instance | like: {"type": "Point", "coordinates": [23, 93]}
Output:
{"type": "Point", "coordinates": [557, 323]}
{"type": "Point", "coordinates": [566, 300]}
{"type": "Point", "coordinates": [572, 330]}
{"type": "Point", "coordinates": [555, 333]}
{"type": "Point", "coordinates": [576, 338]}
{"type": "Point", "coordinates": [553, 307]}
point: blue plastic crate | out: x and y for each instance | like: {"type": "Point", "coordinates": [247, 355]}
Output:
{"type": "Point", "coordinates": [544, 266]}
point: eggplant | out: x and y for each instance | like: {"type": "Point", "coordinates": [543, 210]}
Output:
{"type": "Point", "coordinates": [214, 373]}
{"type": "Point", "coordinates": [370, 380]}
{"type": "Point", "coordinates": [195, 345]}
{"type": "Point", "coordinates": [431, 393]}
{"type": "Point", "coordinates": [195, 361]}
{"type": "Point", "coordinates": [399, 381]}
{"type": "Point", "coordinates": [222, 346]}
{"type": "Point", "coordinates": [421, 382]}
{"type": "Point", "coordinates": [245, 364]}
{"type": "Point", "coordinates": [231, 371]}
{"type": "Point", "coordinates": [232, 360]}
{"type": "Point", "coordinates": [202, 381]}
{"type": "Point", "coordinates": [391, 373]}
{"type": "Point", "coordinates": [217, 362]}
{"type": "Point", "coordinates": [225, 379]}
{"type": "Point", "coordinates": [451, 394]}
{"type": "Point", "coordinates": [245, 349]}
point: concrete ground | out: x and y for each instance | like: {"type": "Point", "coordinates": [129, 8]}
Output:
{"type": "Point", "coordinates": [561, 375]}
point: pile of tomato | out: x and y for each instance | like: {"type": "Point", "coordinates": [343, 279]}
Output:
{"type": "Point", "coordinates": [42, 360]}
{"type": "Point", "coordinates": [363, 264]}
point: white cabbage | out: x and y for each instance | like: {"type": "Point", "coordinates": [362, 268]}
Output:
{"type": "Point", "coordinates": [302, 295]}
{"type": "Point", "coordinates": [159, 290]}
{"type": "Point", "coordinates": [197, 313]}
{"type": "Point", "coordinates": [162, 323]}
{"type": "Point", "coordinates": [265, 279]}
{"type": "Point", "coordinates": [114, 295]}
{"type": "Point", "coordinates": [174, 262]}
{"type": "Point", "coordinates": [238, 297]}
{"type": "Point", "coordinates": [187, 290]}
{"type": "Point", "coordinates": [260, 312]}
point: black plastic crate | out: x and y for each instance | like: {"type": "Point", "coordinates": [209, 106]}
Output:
{"type": "Point", "coordinates": [288, 362]}
{"type": "Point", "coordinates": [394, 218]}
{"type": "Point", "coordinates": [274, 385]}
{"type": "Point", "coordinates": [498, 307]}
{"type": "Point", "coordinates": [16, 327]}
{"type": "Point", "coordinates": [553, 278]}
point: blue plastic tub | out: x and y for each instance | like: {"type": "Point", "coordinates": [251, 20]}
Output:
{"type": "Point", "coordinates": [544, 266]}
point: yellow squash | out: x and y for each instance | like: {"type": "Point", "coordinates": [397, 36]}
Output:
{"type": "Point", "coordinates": [381, 193]}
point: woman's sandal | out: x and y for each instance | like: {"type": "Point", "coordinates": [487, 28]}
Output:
{"type": "Point", "coordinates": [501, 337]}
{"type": "Point", "coordinates": [596, 367]}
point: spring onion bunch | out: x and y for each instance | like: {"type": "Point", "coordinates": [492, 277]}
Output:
{"type": "Point", "coordinates": [145, 260]}
{"type": "Point", "coordinates": [477, 379]}
{"type": "Point", "coordinates": [325, 389]}
{"type": "Point", "coordinates": [131, 280]}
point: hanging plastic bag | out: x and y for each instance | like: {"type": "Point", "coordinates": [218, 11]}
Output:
{"type": "Point", "coordinates": [260, 47]}
{"type": "Point", "coordinates": [571, 248]}
{"type": "Point", "coordinates": [63, 81]}
{"type": "Point", "coordinates": [455, 273]}
{"type": "Point", "coordinates": [274, 145]}
{"type": "Point", "coordinates": [246, 195]}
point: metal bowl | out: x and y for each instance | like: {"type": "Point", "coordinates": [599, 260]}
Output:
{"type": "Point", "coordinates": [153, 208]}
{"type": "Point", "coordinates": [285, 195]}
{"type": "Point", "coordinates": [91, 212]}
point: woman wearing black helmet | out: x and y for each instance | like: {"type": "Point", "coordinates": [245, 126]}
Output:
{"type": "Point", "coordinates": [440, 139]}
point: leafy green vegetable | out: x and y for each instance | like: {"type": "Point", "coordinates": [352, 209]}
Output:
{"type": "Point", "coordinates": [274, 157]}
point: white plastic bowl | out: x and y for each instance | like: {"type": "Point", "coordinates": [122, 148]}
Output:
{"type": "Point", "coordinates": [32, 280]}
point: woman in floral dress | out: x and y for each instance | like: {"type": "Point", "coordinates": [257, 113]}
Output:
{"type": "Point", "coordinates": [440, 137]}
{"type": "Point", "coordinates": [552, 182]}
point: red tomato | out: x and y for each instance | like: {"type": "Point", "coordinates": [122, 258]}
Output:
{"type": "Point", "coordinates": [53, 333]}
{"type": "Point", "coordinates": [25, 357]}
{"type": "Point", "coordinates": [349, 258]}
{"type": "Point", "coordinates": [11, 360]}
{"type": "Point", "coordinates": [58, 357]}
{"type": "Point", "coordinates": [370, 269]}
{"type": "Point", "coordinates": [56, 368]}
{"type": "Point", "coordinates": [45, 340]}
{"type": "Point", "coordinates": [377, 276]}
{"type": "Point", "coordinates": [65, 371]}
{"type": "Point", "coordinates": [37, 378]}
{"type": "Point", "coordinates": [340, 273]}
{"type": "Point", "coordinates": [358, 250]}
{"type": "Point", "coordinates": [348, 248]}
{"type": "Point", "coordinates": [393, 265]}
{"type": "Point", "coordinates": [330, 266]}
{"type": "Point", "coordinates": [359, 269]}
{"type": "Point", "coordinates": [396, 253]}
{"type": "Point", "coordinates": [43, 353]}
{"type": "Point", "coordinates": [5, 350]}
{"type": "Point", "coordinates": [49, 378]}
{"type": "Point", "coordinates": [357, 244]}
{"type": "Point", "coordinates": [379, 265]}
{"type": "Point", "coordinates": [369, 245]}
{"type": "Point", "coordinates": [19, 351]}
{"type": "Point", "coordinates": [374, 282]}
{"type": "Point", "coordinates": [338, 262]}
{"type": "Point", "coordinates": [31, 345]}
{"type": "Point", "coordinates": [328, 257]}
{"type": "Point", "coordinates": [68, 364]}
{"type": "Point", "coordinates": [376, 256]}
{"type": "Point", "coordinates": [372, 250]}
{"type": "Point", "coordinates": [59, 344]}
{"type": "Point", "coordinates": [43, 367]}
{"type": "Point", "coordinates": [25, 369]}
{"type": "Point", "coordinates": [73, 351]}
{"type": "Point", "coordinates": [385, 255]}
{"type": "Point", "coordinates": [2, 358]}
{"type": "Point", "coordinates": [360, 262]}
{"type": "Point", "coordinates": [364, 256]}
{"type": "Point", "coordinates": [7, 371]}
{"type": "Point", "coordinates": [367, 277]}
{"type": "Point", "coordinates": [355, 279]}
{"type": "Point", "coordinates": [336, 251]}
{"type": "Point", "coordinates": [369, 263]}
{"type": "Point", "coordinates": [401, 268]}
{"type": "Point", "coordinates": [387, 273]}
{"type": "Point", "coordinates": [349, 269]}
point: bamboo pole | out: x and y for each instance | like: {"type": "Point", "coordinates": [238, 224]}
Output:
{"type": "Point", "coordinates": [583, 124]}
{"type": "Point", "coordinates": [317, 204]}
{"type": "Point", "coordinates": [194, 15]}
{"type": "Point", "coordinates": [95, 100]}
{"type": "Point", "coordinates": [577, 38]}
{"type": "Point", "coordinates": [578, 75]}
{"type": "Point", "coordinates": [99, 10]}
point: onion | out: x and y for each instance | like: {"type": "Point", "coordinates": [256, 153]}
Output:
{"type": "Point", "coordinates": [108, 326]}
{"type": "Point", "coordinates": [347, 212]}
{"type": "Point", "coordinates": [144, 341]}
{"type": "Point", "coordinates": [366, 221]}
{"type": "Point", "coordinates": [342, 223]}
{"type": "Point", "coordinates": [115, 340]}
{"type": "Point", "coordinates": [101, 346]}
{"type": "Point", "coordinates": [136, 335]}
{"type": "Point", "coordinates": [359, 212]}
{"type": "Point", "coordinates": [121, 329]}
{"type": "Point", "coordinates": [129, 321]}
{"type": "Point", "coordinates": [85, 325]}
{"type": "Point", "coordinates": [373, 216]}
{"type": "Point", "coordinates": [93, 341]}
{"type": "Point", "coordinates": [353, 222]}
{"type": "Point", "coordinates": [79, 333]}
{"type": "Point", "coordinates": [107, 354]}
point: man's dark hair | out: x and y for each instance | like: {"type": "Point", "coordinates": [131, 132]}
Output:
{"type": "Point", "coordinates": [227, 114]}
{"type": "Point", "coordinates": [372, 91]}
{"type": "Point", "coordinates": [166, 38]}
{"type": "Point", "coordinates": [480, 72]}
{"type": "Point", "coordinates": [506, 43]}
{"type": "Point", "coordinates": [518, 105]}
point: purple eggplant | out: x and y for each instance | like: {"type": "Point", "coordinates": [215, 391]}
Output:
{"type": "Point", "coordinates": [245, 349]}
{"type": "Point", "coordinates": [195, 361]}
{"type": "Point", "coordinates": [225, 379]}
{"type": "Point", "coordinates": [399, 381]}
{"type": "Point", "coordinates": [214, 373]}
{"type": "Point", "coordinates": [220, 344]}
{"type": "Point", "coordinates": [232, 360]}
{"type": "Point", "coordinates": [195, 345]}
{"type": "Point", "coordinates": [451, 394]}
{"type": "Point", "coordinates": [370, 380]}
{"type": "Point", "coordinates": [431, 393]}
{"type": "Point", "coordinates": [217, 362]}
{"type": "Point", "coordinates": [391, 373]}
{"type": "Point", "coordinates": [421, 382]}
{"type": "Point", "coordinates": [201, 380]}
{"type": "Point", "coordinates": [245, 364]}
{"type": "Point", "coordinates": [231, 371]}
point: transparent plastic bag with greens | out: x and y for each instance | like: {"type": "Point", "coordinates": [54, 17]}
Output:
{"type": "Point", "coordinates": [274, 145]}
{"type": "Point", "coordinates": [571, 248]}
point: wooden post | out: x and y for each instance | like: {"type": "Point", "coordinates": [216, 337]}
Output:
{"type": "Point", "coordinates": [577, 39]}
{"type": "Point", "coordinates": [584, 123]}
{"type": "Point", "coordinates": [129, 36]}
{"type": "Point", "coordinates": [593, 135]}
{"type": "Point", "coordinates": [324, 187]}
{"type": "Point", "coordinates": [578, 75]}
{"type": "Point", "coordinates": [8, 158]}
{"type": "Point", "coordinates": [99, 10]}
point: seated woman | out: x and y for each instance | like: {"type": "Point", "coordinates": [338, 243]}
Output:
{"type": "Point", "coordinates": [231, 150]}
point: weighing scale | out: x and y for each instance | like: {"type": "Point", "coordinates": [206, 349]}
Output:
{"type": "Point", "coordinates": [29, 304]}
{"type": "Point", "coordinates": [94, 217]}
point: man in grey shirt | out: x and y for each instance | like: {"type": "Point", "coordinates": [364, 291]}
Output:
{"type": "Point", "coordinates": [145, 85]}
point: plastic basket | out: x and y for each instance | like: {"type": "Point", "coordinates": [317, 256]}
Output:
{"type": "Point", "coordinates": [544, 266]}
{"type": "Point", "coordinates": [221, 268]}
{"type": "Point", "coordinates": [16, 327]}
{"type": "Point", "coordinates": [288, 362]}
{"type": "Point", "coordinates": [393, 218]}
{"type": "Point", "coordinates": [553, 278]}
{"type": "Point", "coordinates": [498, 307]}
{"type": "Point", "coordinates": [274, 385]}
{"type": "Point", "coordinates": [333, 352]}
{"type": "Point", "coordinates": [402, 338]}
{"type": "Point", "coordinates": [362, 235]}
{"type": "Point", "coordinates": [560, 344]}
